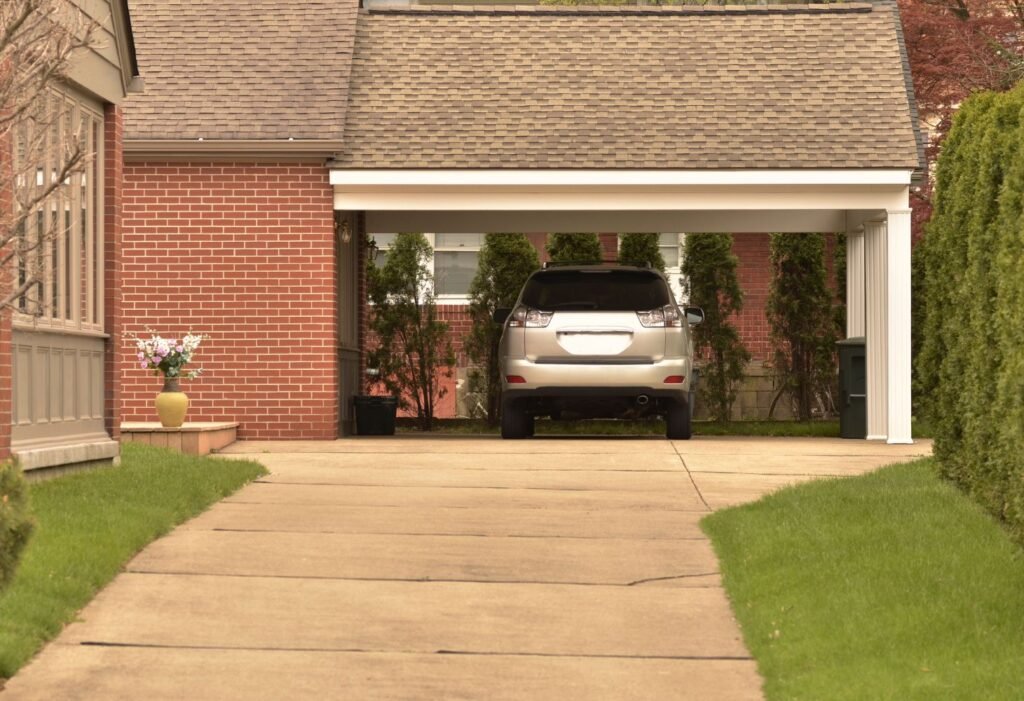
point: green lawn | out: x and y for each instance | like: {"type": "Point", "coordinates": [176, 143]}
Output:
{"type": "Point", "coordinates": [892, 585]}
{"type": "Point", "coordinates": [88, 525]}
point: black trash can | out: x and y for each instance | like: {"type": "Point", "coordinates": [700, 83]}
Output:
{"type": "Point", "coordinates": [375, 415]}
{"type": "Point", "coordinates": [853, 387]}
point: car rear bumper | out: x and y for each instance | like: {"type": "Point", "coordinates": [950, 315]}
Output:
{"type": "Point", "coordinates": [565, 379]}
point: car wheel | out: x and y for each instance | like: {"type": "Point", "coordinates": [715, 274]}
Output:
{"type": "Point", "coordinates": [514, 422]}
{"type": "Point", "coordinates": [677, 421]}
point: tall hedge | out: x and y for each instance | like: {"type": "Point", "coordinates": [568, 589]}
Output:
{"type": "Point", "coordinates": [15, 521]}
{"type": "Point", "coordinates": [709, 268]}
{"type": "Point", "coordinates": [506, 260]}
{"type": "Point", "coordinates": [801, 316]}
{"type": "Point", "coordinates": [641, 250]}
{"type": "Point", "coordinates": [971, 361]}
{"type": "Point", "coordinates": [575, 248]}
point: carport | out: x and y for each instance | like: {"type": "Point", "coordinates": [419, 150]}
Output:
{"type": "Point", "coordinates": [778, 118]}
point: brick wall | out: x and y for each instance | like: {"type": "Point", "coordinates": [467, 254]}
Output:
{"type": "Point", "coordinates": [245, 253]}
{"type": "Point", "coordinates": [754, 276]}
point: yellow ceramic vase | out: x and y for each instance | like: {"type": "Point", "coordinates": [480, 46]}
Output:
{"type": "Point", "coordinates": [171, 404]}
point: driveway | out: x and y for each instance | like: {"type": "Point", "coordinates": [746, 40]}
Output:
{"type": "Point", "coordinates": [439, 567]}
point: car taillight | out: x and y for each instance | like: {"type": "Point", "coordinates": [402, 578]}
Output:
{"type": "Point", "coordinates": [667, 316]}
{"type": "Point", "coordinates": [529, 318]}
{"type": "Point", "coordinates": [515, 379]}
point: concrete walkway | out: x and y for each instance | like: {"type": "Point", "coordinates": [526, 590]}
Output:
{"type": "Point", "coordinates": [443, 568]}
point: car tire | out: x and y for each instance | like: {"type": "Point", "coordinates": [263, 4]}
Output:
{"type": "Point", "coordinates": [677, 421]}
{"type": "Point", "coordinates": [514, 422]}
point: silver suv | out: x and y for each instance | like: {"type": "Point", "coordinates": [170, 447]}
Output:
{"type": "Point", "coordinates": [596, 342]}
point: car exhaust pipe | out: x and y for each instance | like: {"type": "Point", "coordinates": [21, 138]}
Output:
{"type": "Point", "coordinates": [642, 400]}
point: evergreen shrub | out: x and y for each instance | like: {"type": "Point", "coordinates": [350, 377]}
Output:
{"type": "Point", "coordinates": [709, 268]}
{"type": "Point", "coordinates": [15, 521]}
{"type": "Point", "coordinates": [970, 367]}
{"type": "Point", "coordinates": [582, 249]}
{"type": "Point", "coordinates": [505, 261]}
{"type": "Point", "coordinates": [641, 250]}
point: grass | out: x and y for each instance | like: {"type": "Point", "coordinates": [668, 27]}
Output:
{"type": "Point", "coordinates": [818, 429]}
{"type": "Point", "coordinates": [89, 524]}
{"type": "Point", "coordinates": [893, 585]}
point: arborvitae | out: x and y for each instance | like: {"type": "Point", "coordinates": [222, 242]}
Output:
{"type": "Point", "coordinates": [971, 363]}
{"type": "Point", "coordinates": [413, 347]}
{"type": "Point", "coordinates": [506, 260]}
{"type": "Point", "coordinates": [801, 318]}
{"type": "Point", "coordinates": [583, 249]}
{"type": "Point", "coordinates": [15, 521]}
{"type": "Point", "coordinates": [641, 250]}
{"type": "Point", "coordinates": [709, 268]}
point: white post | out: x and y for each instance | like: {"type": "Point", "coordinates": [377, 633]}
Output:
{"type": "Point", "coordinates": [876, 328]}
{"type": "Point", "coordinates": [899, 321]}
{"type": "Point", "coordinates": [855, 283]}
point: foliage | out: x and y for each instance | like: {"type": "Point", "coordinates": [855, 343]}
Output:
{"type": "Point", "coordinates": [891, 585]}
{"type": "Point", "coordinates": [640, 250]}
{"type": "Point", "coordinates": [971, 362]}
{"type": "Point", "coordinates": [505, 261]}
{"type": "Point", "coordinates": [37, 41]}
{"type": "Point", "coordinates": [956, 48]}
{"type": "Point", "coordinates": [580, 249]}
{"type": "Point", "coordinates": [15, 520]}
{"type": "Point", "coordinates": [802, 321]}
{"type": "Point", "coordinates": [91, 523]}
{"type": "Point", "coordinates": [167, 356]}
{"type": "Point", "coordinates": [413, 349]}
{"type": "Point", "coordinates": [839, 266]}
{"type": "Point", "coordinates": [709, 268]}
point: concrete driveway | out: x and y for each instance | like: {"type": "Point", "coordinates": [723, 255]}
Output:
{"type": "Point", "coordinates": [443, 568]}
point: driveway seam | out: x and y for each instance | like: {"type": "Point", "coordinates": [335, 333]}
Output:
{"type": "Point", "coordinates": [690, 475]}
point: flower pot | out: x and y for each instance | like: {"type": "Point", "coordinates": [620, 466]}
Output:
{"type": "Point", "coordinates": [375, 416]}
{"type": "Point", "coordinates": [171, 404]}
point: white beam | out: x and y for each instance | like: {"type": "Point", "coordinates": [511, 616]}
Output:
{"type": "Point", "coordinates": [757, 221]}
{"type": "Point", "coordinates": [898, 316]}
{"type": "Point", "coordinates": [876, 328]}
{"type": "Point", "coordinates": [614, 178]}
{"type": "Point", "coordinates": [855, 299]}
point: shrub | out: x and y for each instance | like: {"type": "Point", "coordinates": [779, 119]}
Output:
{"type": "Point", "coordinates": [709, 269]}
{"type": "Point", "coordinates": [971, 360]}
{"type": "Point", "coordinates": [575, 248]}
{"type": "Point", "coordinates": [506, 260]}
{"type": "Point", "coordinates": [641, 250]}
{"type": "Point", "coordinates": [15, 521]}
{"type": "Point", "coordinates": [802, 321]}
{"type": "Point", "coordinates": [413, 349]}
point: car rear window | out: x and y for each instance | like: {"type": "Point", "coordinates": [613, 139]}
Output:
{"type": "Point", "coordinates": [597, 290]}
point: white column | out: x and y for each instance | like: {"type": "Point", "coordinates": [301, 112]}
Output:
{"type": "Point", "coordinates": [855, 283]}
{"type": "Point", "coordinates": [898, 315]}
{"type": "Point", "coordinates": [876, 328]}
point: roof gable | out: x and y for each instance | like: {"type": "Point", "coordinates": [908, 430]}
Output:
{"type": "Point", "coordinates": [679, 87]}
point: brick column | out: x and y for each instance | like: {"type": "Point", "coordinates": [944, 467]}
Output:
{"type": "Point", "coordinates": [113, 180]}
{"type": "Point", "coordinates": [359, 222]}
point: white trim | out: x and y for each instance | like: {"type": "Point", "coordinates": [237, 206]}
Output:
{"type": "Point", "coordinates": [615, 178]}
{"type": "Point", "coordinates": [898, 316]}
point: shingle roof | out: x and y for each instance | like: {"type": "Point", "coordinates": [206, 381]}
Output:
{"type": "Point", "coordinates": [241, 69]}
{"type": "Point", "coordinates": [812, 86]}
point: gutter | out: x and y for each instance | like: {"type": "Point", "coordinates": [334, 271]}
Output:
{"type": "Point", "coordinates": [247, 149]}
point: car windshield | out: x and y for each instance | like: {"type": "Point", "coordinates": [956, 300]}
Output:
{"type": "Point", "coordinates": [596, 290]}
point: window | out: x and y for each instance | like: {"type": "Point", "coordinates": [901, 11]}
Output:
{"type": "Point", "coordinates": [455, 261]}
{"type": "Point", "coordinates": [668, 244]}
{"type": "Point", "coordinates": [58, 175]}
{"type": "Point", "coordinates": [454, 264]}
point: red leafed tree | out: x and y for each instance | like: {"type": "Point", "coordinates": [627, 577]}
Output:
{"type": "Point", "coordinates": [957, 47]}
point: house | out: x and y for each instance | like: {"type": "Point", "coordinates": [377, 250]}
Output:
{"type": "Point", "coordinates": [254, 169]}
{"type": "Point", "coordinates": [59, 374]}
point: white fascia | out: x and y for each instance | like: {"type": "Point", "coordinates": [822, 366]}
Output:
{"type": "Point", "coordinates": [613, 178]}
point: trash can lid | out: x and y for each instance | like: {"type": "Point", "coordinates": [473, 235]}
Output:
{"type": "Point", "coordinates": [855, 341]}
